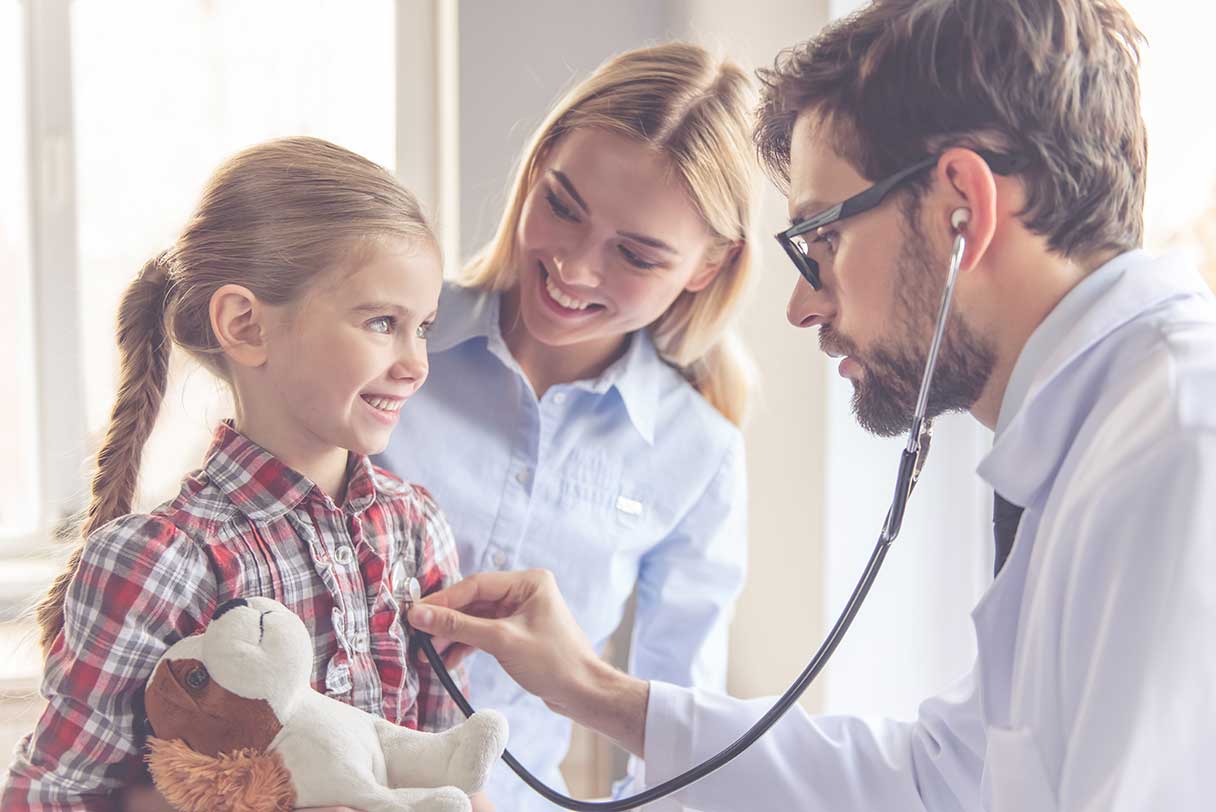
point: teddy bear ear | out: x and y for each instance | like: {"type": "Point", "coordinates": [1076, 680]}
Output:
{"type": "Point", "coordinates": [245, 781]}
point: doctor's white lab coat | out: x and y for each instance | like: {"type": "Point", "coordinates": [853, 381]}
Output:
{"type": "Point", "coordinates": [1094, 687]}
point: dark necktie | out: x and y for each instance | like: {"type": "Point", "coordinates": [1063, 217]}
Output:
{"type": "Point", "coordinates": [1005, 518]}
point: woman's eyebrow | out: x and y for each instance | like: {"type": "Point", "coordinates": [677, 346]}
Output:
{"type": "Point", "coordinates": [565, 182]}
{"type": "Point", "coordinates": [653, 242]}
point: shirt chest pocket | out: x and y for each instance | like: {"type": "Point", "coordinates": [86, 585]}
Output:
{"type": "Point", "coordinates": [601, 488]}
{"type": "Point", "coordinates": [1015, 778]}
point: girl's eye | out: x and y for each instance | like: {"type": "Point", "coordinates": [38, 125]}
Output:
{"type": "Point", "coordinates": [637, 261]}
{"type": "Point", "coordinates": [382, 324]}
{"type": "Point", "coordinates": [559, 208]}
{"type": "Point", "coordinates": [424, 329]}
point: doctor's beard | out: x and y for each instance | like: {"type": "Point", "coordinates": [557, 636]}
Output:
{"type": "Point", "coordinates": [884, 396]}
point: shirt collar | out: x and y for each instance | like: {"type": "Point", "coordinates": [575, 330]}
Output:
{"type": "Point", "coordinates": [636, 377]}
{"type": "Point", "coordinates": [470, 313]}
{"type": "Point", "coordinates": [1042, 407]}
{"type": "Point", "coordinates": [263, 488]}
{"type": "Point", "coordinates": [464, 314]}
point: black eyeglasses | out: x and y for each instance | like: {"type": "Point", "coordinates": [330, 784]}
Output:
{"type": "Point", "coordinates": [798, 247]}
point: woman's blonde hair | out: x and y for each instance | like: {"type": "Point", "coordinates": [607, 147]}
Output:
{"type": "Point", "coordinates": [695, 110]}
{"type": "Point", "coordinates": [271, 218]}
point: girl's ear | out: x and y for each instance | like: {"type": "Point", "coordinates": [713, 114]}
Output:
{"type": "Point", "coordinates": [238, 321]}
{"type": "Point", "coordinates": [712, 267]}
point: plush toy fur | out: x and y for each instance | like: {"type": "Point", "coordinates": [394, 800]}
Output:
{"type": "Point", "coordinates": [238, 728]}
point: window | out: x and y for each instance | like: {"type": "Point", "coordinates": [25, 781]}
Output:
{"type": "Point", "coordinates": [18, 439]}
{"type": "Point", "coordinates": [164, 92]}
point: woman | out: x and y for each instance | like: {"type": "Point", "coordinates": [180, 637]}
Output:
{"type": "Point", "coordinates": [585, 393]}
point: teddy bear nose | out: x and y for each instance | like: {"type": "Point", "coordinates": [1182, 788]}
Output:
{"type": "Point", "coordinates": [228, 606]}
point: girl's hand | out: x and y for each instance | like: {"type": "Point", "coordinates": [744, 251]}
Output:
{"type": "Point", "coordinates": [481, 803]}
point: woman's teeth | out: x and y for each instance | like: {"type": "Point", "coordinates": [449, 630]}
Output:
{"type": "Point", "coordinates": [568, 302]}
{"type": "Point", "coordinates": [385, 404]}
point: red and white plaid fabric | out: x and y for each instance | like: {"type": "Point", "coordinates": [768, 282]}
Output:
{"type": "Point", "coordinates": [244, 525]}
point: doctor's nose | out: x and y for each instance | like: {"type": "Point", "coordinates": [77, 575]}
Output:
{"type": "Point", "coordinates": [809, 307]}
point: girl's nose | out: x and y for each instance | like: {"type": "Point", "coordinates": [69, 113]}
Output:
{"type": "Point", "coordinates": [411, 367]}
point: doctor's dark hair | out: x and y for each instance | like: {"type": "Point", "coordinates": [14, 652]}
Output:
{"type": "Point", "coordinates": [695, 111]}
{"type": "Point", "coordinates": [1053, 80]}
{"type": "Point", "coordinates": [273, 218]}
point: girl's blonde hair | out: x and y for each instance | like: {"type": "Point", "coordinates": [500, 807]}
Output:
{"type": "Point", "coordinates": [695, 110]}
{"type": "Point", "coordinates": [272, 218]}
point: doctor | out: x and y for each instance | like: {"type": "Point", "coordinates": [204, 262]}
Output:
{"type": "Point", "coordinates": [1094, 364]}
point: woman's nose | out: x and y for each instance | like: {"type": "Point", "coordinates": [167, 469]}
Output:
{"type": "Point", "coordinates": [578, 267]}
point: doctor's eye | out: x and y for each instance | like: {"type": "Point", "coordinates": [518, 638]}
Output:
{"type": "Point", "coordinates": [827, 238]}
{"type": "Point", "coordinates": [197, 678]}
{"type": "Point", "coordinates": [424, 329]}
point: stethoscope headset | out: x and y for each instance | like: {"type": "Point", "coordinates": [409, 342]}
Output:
{"type": "Point", "coordinates": [911, 460]}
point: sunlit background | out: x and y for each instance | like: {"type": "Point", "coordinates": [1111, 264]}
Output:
{"type": "Point", "coordinates": [113, 113]}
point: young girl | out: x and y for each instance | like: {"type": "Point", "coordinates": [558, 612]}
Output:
{"type": "Point", "coordinates": [583, 406]}
{"type": "Point", "coordinates": [307, 280]}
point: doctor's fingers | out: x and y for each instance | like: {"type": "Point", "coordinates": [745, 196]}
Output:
{"type": "Point", "coordinates": [489, 635]}
{"type": "Point", "coordinates": [494, 594]}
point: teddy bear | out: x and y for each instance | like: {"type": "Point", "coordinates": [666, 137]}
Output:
{"type": "Point", "coordinates": [235, 726]}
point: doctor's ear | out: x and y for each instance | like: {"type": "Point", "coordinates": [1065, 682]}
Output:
{"type": "Point", "coordinates": [969, 201]}
{"type": "Point", "coordinates": [238, 321]}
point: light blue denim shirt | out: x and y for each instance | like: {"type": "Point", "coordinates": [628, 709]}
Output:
{"type": "Point", "coordinates": [628, 479]}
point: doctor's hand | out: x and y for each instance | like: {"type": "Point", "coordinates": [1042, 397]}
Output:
{"type": "Point", "coordinates": [521, 619]}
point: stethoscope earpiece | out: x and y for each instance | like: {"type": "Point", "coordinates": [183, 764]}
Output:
{"type": "Point", "coordinates": [960, 218]}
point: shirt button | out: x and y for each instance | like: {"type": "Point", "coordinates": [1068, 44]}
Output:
{"type": "Point", "coordinates": [361, 641]}
{"type": "Point", "coordinates": [559, 398]}
{"type": "Point", "coordinates": [344, 556]}
{"type": "Point", "coordinates": [522, 477]}
{"type": "Point", "coordinates": [500, 559]}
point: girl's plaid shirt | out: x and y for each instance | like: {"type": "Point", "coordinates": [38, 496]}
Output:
{"type": "Point", "coordinates": [244, 525]}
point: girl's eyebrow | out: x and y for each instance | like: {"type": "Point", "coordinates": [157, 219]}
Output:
{"type": "Point", "coordinates": [380, 307]}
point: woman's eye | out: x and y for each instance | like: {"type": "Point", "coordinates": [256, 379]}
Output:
{"type": "Point", "coordinates": [382, 324]}
{"type": "Point", "coordinates": [637, 261]}
{"type": "Point", "coordinates": [559, 208]}
{"type": "Point", "coordinates": [424, 329]}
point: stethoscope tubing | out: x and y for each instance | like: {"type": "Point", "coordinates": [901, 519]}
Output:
{"type": "Point", "coordinates": [911, 461]}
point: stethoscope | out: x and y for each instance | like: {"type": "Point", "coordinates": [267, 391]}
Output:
{"type": "Point", "coordinates": [911, 461]}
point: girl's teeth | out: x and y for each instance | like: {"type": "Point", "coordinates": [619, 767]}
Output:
{"type": "Point", "coordinates": [561, 298]}
{"type": "Point", "coordinates": [385, 404]}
